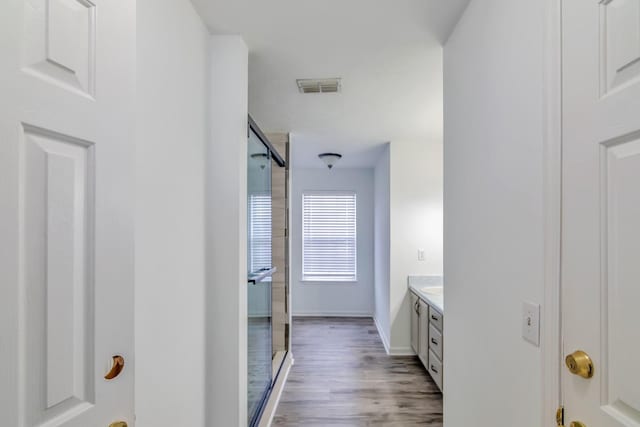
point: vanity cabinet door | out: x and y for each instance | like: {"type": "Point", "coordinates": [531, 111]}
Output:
{"type": "Point", "coordinates": [423, 337]}
{"type": "Point", "coordinates": [415, 322]}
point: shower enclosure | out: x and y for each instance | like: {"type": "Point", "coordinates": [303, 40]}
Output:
{"type": "Point", "coordinates": [261, 156]}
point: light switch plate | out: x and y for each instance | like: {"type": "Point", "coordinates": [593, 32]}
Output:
{"type": "Point", "coordinates": [420, 254]}
{"type": "Point", "coordinates": [531, 323]}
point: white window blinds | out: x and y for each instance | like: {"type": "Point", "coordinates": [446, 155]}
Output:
{"type": "Point", "coordinates": [329, 237]}
{"type": "Point", "coordinates": [259, 232]}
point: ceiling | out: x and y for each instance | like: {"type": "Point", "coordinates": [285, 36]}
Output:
{"type": "Point", "coordinates": [387, 52]}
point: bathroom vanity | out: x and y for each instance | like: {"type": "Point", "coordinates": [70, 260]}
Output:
{"type": "Point", "coordinates": [427, 319]}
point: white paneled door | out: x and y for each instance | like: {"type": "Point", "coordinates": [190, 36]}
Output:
{"type": "Point", "coordinates": [67, 76]}
{"type": "Point", "coordinates": [601, 211]}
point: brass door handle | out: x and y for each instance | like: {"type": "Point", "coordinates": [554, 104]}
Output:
{"type": "Point", "coordinates": [116, 368]}
{"type": "Point", "coordinates": [579, 363]}
{"type": "Point", "coordinates": [577, 424]}
{"type": "Point", "coordinates": [118, 424]}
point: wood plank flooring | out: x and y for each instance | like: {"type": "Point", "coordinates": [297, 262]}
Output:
{"type": "Point", "coordinates": [343, 377]}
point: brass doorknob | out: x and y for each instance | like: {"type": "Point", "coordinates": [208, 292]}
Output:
{"type": "Point", "coordinates": [118, 424]}
{"type": "Point", "coordinates": [577, 424]}
{"type": "Point", "coordinates": [116, 368]}
{"type": "Point", "coordinates": [579, 363]}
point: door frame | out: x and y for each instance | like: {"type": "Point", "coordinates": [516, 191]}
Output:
{"type": "Point", "coordinates": [551, 342]}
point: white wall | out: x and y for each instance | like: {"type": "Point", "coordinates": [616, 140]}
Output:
{"type": "Point", "coordinates": [326, 298]}
{"type": "Point", "coordinates": [382, 235]}
{"type": "Point", "coordinates": [226, 237]}
{"type": "Point", "coordinates": [172, 55]}
{"type": "Point", "coordinates": [494, 213]}
{"type": "Point", "coordinates": [416, 223]}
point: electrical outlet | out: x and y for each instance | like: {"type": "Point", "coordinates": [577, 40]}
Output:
{"type": "Point", "coordinates": [531, 323]}
{"type": "Point", "coordinates": [420, 254]}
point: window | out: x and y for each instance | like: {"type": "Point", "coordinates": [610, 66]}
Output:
{"type": "Point", "coordinates": [329, 237]}
{"type": "Point", "coordinates": [259, 231]}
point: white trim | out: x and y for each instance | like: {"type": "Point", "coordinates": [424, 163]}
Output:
{"type": "Point", "coordinates": [392, 351]}
{"type": "Point", "coordinates": [333, 314]}
{"type": "Point", "coordinates": [274, 399]}
{"type": "Point", "coordinates": [401, 351]}
{"type": "Point", "coordinates": [383, 336]}
{"type": "Point", "coordinates": [551, 319]}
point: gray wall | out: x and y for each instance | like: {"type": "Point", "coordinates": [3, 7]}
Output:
{"type": "Point", "coordinates": [172, 81]}
{"type": "Point", "coordinates": [326, 298]}
{"type": "Point", "coordinates": [494, 211]}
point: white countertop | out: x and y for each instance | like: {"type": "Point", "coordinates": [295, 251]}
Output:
{"type": "Point", "coordinates": [428, 288]}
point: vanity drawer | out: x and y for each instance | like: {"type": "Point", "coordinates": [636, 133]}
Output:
{"type": "Point", "coordinates": [435, 318]}
{"type": "Point", "coordinates": [435, 341]}
{"type": "Point", "coordinates": [435, 369]}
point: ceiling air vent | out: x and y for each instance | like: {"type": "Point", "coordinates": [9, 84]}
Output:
{"type": "Point", "coordinates": [319, 85]}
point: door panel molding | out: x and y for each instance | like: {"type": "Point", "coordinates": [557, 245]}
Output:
{"type": "Point", "coordinates": [620, 173]}
{"type": "Point", "coordinates": [59, 43]}
{"type": "Point", "coordinates": [57, 217]}
{"type": "Point", "coordinates": [551, 331]}
{"type": "Point", "coordinates": [619, 44]}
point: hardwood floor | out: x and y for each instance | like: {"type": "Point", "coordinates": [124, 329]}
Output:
{"type": "Point", "coordinates": [343, 377]}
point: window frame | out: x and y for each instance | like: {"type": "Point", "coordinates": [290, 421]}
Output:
{"type": "Point", "coordinates": [329, 279]}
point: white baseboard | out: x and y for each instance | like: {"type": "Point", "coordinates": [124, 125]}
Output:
{"type": "Point", "coordinates": [333, 314]}
{"type": "Point", "coordinates": [274, 399]}
{"type": "Point", "coordinates": [383, 336]}
{"type": "Point", "coordinates": [401, 351]}
{"type": "Point", "coordinates": [392, 351]}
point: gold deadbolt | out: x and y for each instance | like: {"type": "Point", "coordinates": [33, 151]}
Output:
{"type": "Point", "coordinates": [577, 424]}
{"type": "Point", "coordinates": [117, 366]}
{"type": "Point", "coordinates": [579, 363]}
{"type": "Point", "coordinates": [118, 424]}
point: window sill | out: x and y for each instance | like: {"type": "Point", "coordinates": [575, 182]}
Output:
{"type": "Point", "coordinates": [327, 282]}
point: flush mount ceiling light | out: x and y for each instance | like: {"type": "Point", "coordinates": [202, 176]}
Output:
{"type": "Point", "coordinates": [261, 158]}
{"type": "Point", "coordinates": [332, 85]}
{"type": "Point", "coordinates": [330, 159]}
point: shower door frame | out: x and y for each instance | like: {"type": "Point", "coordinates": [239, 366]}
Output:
{"type": "Point", "coordinates": [277, 158]}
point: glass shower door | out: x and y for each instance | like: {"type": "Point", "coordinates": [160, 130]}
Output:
{"type": "Point", "coordinates": [259, 264]}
